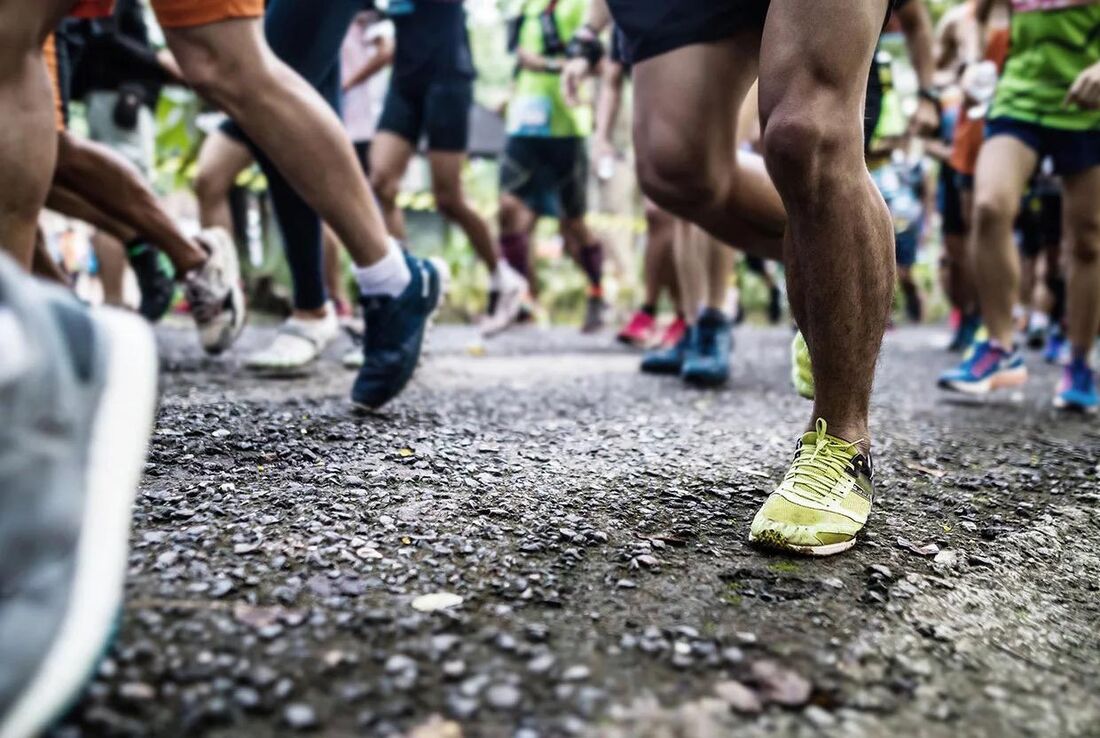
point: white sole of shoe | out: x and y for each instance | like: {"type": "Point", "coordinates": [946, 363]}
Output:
{"type": "Point", "coordinates": [1002, 380]}
{"type": "Point", "coordinates": [116, 459]}
{"type": "Point", "coordinates": [828, 550]}
{"type": "Point", "coordinates": [1061, 404]}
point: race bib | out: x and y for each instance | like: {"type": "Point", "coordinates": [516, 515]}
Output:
{"type": "Point", "coordinates": [529, 115]}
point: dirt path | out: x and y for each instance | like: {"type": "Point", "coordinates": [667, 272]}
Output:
{"type": "Point", "coordinates": [593, 521]}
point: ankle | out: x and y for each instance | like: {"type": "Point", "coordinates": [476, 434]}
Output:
{"type": "Point", "coordinates": [315, 314]}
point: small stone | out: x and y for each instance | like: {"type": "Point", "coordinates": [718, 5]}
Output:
{"type": "Point", "coordinates": [739, 697]}
{"type": "Point", "coordinates": [541, 664]}
{"type": "Point", "coordinates": [247, 698]}
{"type": "Point", "coordinates": [300, 716]}
{"type": "Point", "coordinates": [819, 716]}
{"type": "Point", "coordinates": [503, 697]}
{"type": "Point", "coordinates": [137, 692]}
{"type": "Point", "coordinates": [626, 584]}
{"type": "Point", "coordinates": [454, 669]}
{"type": "Point", "coordinates": [733, 655]}
{"type": "Point", "coordinates": [576, 673]}
{"type": "Point", "coordinates": [436, 601]}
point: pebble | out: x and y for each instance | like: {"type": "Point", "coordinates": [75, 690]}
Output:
{"type": "Point", "coordinates": [503, 697]}
{"type": "Point", "coordinates": [300, 716]}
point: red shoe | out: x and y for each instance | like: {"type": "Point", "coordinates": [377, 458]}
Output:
{"type": "Point", "coordinates": [640, 331]}
{"type": "Point", "coordinates": [673, 333]}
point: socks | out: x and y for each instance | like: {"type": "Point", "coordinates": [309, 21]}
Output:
{"type": "Point", "coordinates": [591, 259]}
{"type": "Point", "coordinates": [650, 310]}
{"type": "Point", "coordinates": [515, 249]}
{"type": "Point", "coordinates": [389, 276]}
{"type": "Point", "coordinates": [504, 276]}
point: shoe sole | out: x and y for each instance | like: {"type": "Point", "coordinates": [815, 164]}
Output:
{"type": "Point", "coordinates": [511, 315]}
{"type": "Point", "coordinates": [236, 293]}
{"type": "Point", "coordinates": [1074, 407]}
{"type": "Point", "coordinates": [444, 273]}
{"type": "Point", "coordinates": [771, 540]}
{"type": "Point", "coordinates": [116, 457]}
{"type": "Point", "coordinates": [1002, 380]}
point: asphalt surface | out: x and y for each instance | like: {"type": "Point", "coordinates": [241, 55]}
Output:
{"type": "Point", "coordinates": [580, 533]}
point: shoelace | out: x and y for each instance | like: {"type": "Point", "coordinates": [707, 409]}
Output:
{"type": "Point", "coordinates": [817, 471]}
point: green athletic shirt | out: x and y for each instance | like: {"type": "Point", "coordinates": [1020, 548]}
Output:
{"type": "Point", "coordinates": [1053, 41]}
{"type": "Point", "coordinates": [537, 107]}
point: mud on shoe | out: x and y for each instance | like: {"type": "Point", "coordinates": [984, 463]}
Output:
{"type": "Point", "coordinates": [395, 329]}
{"type": "Point", "coordinates": [823, 501]}
{"type": "Point", "coordinates": [215, 295]}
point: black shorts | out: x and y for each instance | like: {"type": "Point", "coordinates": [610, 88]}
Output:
{"type": "Point", "coordinates": [654, 27]}
{"type": "Point", "coordinates": [550, 175]}
{"type": "Point", "coordinates": [438, 111]}
{"type": "Point", "coordinates": [362, 153]}
{"type": "Point", "coordinates": [950, 202]}
{"type": "Point", "coordinates": [1039, 222]}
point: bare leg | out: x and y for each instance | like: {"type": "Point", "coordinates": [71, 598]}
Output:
{"type": "Point", "coordinates": [112, 184]}
{"type": "Point", "coordinates": [389, 160]}
{"type": "Point", "coordinates": [689, 250]}
{"type": "Point", "coordinates": [111, 257]}
{"type": "Point", "coordinates": [1082, 227]}
{"type": "Point", "coordinates": [1004, 166]}
{"type": "Point", "coordinates": [221, 160]}
{"type": "Point", "coordinates": [719, 260]}
{"type": "Point", "coordinates": [685, 138]}
{"type": "Point", "coordinates": [334, 271]}
{"type": "Point", "coordinates": [230, 64]}
{"type": "Point", "coordinates": [517, 222]}
{"type": "Point", "coordinates": [957, 282]}
{"type": "Point", "coordinates": [839, 242]}
{"type": "Point", "coordinates": [446, 169]}
{"type": "Point", "coordinates": [28, 138]}
{"type": "Point", "coordinates": [658, 250]}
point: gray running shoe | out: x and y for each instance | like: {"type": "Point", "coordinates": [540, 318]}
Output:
{"type": "Point", "coordinates": [77, 391]}
{"type": "Point", "coordinates": [215, 295]}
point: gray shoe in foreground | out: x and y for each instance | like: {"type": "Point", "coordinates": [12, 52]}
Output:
{"type": "Point", "coordinates": [77, 391]}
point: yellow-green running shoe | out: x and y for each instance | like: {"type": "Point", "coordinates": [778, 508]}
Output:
{"type": "Point", "coordinates": [822, 502]}
{"type": "Point", "coordinates": [802, 371]}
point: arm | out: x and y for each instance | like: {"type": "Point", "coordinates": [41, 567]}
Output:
{"type": "Point", "coordinates": [580, 67]}
{"type": "Point", "coordinates": [383, 57]}
{"type": "Point", "coordinates": [607, 109]}
{"type": "Point", "coordinates": [533, 62]}
{"type": "Point", "coordinates": [916, 25]}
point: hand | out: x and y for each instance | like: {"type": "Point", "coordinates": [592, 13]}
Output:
{"type": "Point", "coordinates": [603, 148]}
{"type": "Point", "coordinates": [572, 75]}
{"type": "Point", "coordinates": [1085, 92]}
{"type": "Point", "coordinates": [926, 119]}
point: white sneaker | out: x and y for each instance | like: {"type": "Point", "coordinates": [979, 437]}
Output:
{"type": "Point", "coordinates": [512, 292]}
{"type": "Point", "coordinates": [298, 344]}
{"type": "Point", "coordinates": [214, 293]}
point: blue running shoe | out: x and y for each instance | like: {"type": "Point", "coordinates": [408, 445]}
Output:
{"type": "Point", "coordinates": [1056, 345]}
{"type": "Point", "coordinates": [988, 367]}
{"type": "Point", "coordinates": [670, 360]}
{"type": "Point", "coordinates": [395, 328]}
{"type": "Point", "coordinates": [709, 364]}
{"type": "Point", "coordinates": [1078, 388]}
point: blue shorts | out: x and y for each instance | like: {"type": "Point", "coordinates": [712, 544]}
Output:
{"type": "Point", "coordinates": [1072, 152]}
{"type": "Point", "coordinates": [907, 243]}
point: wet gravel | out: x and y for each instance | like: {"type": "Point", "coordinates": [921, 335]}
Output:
{"type": "Point", "coordinates": [539, 541]}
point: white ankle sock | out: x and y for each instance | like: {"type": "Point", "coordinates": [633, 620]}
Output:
{"type": "Point", "coordinates": [389, 276]}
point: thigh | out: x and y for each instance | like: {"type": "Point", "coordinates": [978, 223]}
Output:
{"type": "Point", "coordinates": [1005, 164]}
{"type": "Point", "coordinates": [1081, 206]}
{"type": "Point", "coordinates": [815, 59]}
{"type": "Point", "coordinates": [446, 168]}
{"type": "Point", "coordinates": [447, 115]}
{"type": "Point", "coordinates": [687, 101]}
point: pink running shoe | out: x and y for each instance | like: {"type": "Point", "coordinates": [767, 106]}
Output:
{"type": "Point", "coordinates": [640, 331]}
{"type": "Point", "coordinates": [673, 333]}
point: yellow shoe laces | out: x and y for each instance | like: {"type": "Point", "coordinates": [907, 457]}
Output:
{"type": "Point", "coordinates": [817, 469]}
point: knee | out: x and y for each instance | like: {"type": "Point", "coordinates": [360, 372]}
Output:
{"type": "Point", "coordinates": [386, 187]}
{"type": "Point", "coordinates": [678, 176]}
{"type": "Point", "coordinates": [216, 76]}
{"type": "Point", "coordinates": [1084, 246]}
{"type": "Point", "coordinates": [510, 214]}
{"type": "Point", "coordinates": [993, 210]}
{"type": "Point", "coordinates": [803, 152]}
{"type": "Point", "coordinates": [211, 185]}
{"type": "Point", "coordinates": [448, 201]}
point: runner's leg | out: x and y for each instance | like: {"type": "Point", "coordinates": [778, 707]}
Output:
{"type": "Point", "coordinates": [230, 64]}
{"type": "Point", "coordinates": [390, 155]}
{"type": "Point", "coordinates": [1004, 166]}
{"type": "Point", "coordinates": [685, 118]}
{"type": "Point", "coordinates": [1081, 201]}
{"type": "Point", "coordinates": [446, 168]}
{"type": "Point", "coordinates": [28, 139]}
{"type": "Point", "coordinates": [839, 243]}
{"type": "Point", "coordinates": [221, 160]}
